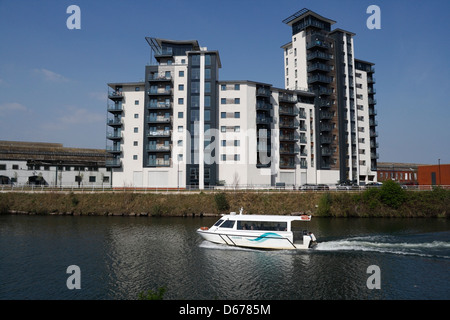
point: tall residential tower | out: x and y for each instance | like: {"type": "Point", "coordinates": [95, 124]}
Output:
{"type": "Point", "coordinates": [322, 60]}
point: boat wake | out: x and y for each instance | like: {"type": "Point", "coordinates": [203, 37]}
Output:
{"type": "Point", "coordinates": [386, 244]}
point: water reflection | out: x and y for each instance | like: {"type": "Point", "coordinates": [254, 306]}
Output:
{"type": "Point", "coordinates": [120, 257]}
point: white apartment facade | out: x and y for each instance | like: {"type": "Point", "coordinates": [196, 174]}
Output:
{"type": "Point", "coordinates": [183, 127]}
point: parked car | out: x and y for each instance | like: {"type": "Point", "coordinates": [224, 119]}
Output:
{"type": "Point", "coordinates": [314, 187]}
{"type": "Point", "coordinates": [373, 185]}
{"type": "Point", "coordinates": [347, 186]}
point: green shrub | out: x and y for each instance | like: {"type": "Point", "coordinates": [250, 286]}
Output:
{"type": "Point", "coordinates": [221, 202]}
{"type": "Point", "coordinates": [392, 194]}
{"type": "Point", "coordinates": [324, 208]}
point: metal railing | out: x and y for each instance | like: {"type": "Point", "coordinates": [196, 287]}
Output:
{"type": "Point", "coordinates": [86, 187]}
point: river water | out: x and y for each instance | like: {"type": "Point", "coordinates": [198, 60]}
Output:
{"type": "Point", "coordinates": [119, 257]}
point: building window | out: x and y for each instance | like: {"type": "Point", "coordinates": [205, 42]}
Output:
{"type": "Point", "coordinates": [91, 178]}
{"type": "Point", "coordinates": [207, 60]}
{"type": "Point", "coordinates": [237, 143]}
{"type": "Point", "coordinates": [223, 115]}
{"type": "Point", "coordinates": [223, 87]}
{"type": "Point", "coordinates": [135, 143]}
{"type": "Point", "coordinates": [207, 101]}
{"type": "Point", "coordinates": [237, 157]}
{"type": "Point", "coordinates": [207, 115]}
{"type": "Point", "coordinates": [180, 128]}
{"type": "Point", "coordinates": [237, 100]}
{"type": "Point", "coordinates": [180, 115]}
{"type": "Point", "coordinates": [224, 157]}
{"type": "Point", "coordinates": [181, 87]}
{"type": "Point", "coordinates": [223, 101]}
{"type": "Point", "coordinates": [237, 114]}
{"type": "Point", "coordinates": [136, 129]}
{"type": "Point", "coordinates": [136, 115]}
{"type": "Point", "coordinates": [207, 73]}
{"type": "Point", "coordinates": [207, 87]}
{"type": "Point", "coordinates": [136, 102]}
{"type": "Point", "coordinates": [180, 100]}
{"type": "Point", "coordinates": [135, 157]}
{"type": "Point", "coordinates": [237, 87]}
{"type": "Point", "coordinates": [137, 89]}
{"type": "Point", "coordinates": [237, 129]}
{"type": "Point", "coordinates": [181, 73]}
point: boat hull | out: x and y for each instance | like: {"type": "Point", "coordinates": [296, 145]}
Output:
{"type": "Point", "coordinates": [259, 240]}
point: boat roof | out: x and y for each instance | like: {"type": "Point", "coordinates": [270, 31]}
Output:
{"type": "Point", "coordinates": [264, 217]}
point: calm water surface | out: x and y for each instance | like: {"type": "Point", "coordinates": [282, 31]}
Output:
{"type": "Point", "coordinates": [122, 256]}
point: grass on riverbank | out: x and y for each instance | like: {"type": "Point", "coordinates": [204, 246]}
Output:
{"type": "Point", "coordinates": [388, 201]}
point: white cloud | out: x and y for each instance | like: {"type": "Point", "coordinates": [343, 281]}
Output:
{"type": "Point", "coordinates": [50, 75]}
{"type": "Point", "coordinates": [12, 107]}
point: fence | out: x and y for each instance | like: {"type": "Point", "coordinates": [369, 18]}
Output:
{"type": "Point", "coordinates": [225, 188]}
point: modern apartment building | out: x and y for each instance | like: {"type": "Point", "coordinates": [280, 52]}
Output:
{"type": "Point", "coordinates": [323, 61]}
{"type": "Point", "coordinates": [184, 127]}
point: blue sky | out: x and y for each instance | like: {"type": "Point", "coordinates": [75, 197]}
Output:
{"type": "Point", "coordinates": [53, 80]}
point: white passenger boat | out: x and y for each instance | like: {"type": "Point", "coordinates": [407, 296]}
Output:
{"type": "Point", "coordinates": [260, 231]}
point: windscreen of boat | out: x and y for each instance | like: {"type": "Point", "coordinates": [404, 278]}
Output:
{"type": "Point", "coordinates": [218, 223]}
{"type": "Point", "coordinates": [228, 224]}
{"type": "Point", "coordinates": [262, 225]}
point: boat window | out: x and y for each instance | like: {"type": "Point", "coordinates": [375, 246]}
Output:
{"type": "Point", "coordinates": [262, 225]}
{"type": "Point", "coordinates": [218, 223]}
{"type": "Point", "coordinates": [228, 224]}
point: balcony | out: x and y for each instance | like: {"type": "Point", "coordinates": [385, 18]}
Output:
{"type": "Point", "coordinates": [160, 105]}
{"type": "Point", "coordinates": [151, 119]}
{"type": "Point", "coordinates": [324, 103]}
{"type": "Point", "coordinates": [114, 163]}
{"type": "Point", "coordinates": [319, 67]}
{"type": "Point", "coordinates": [159, 78]}
{"type": "Point", "coordinates": [288, 138]}
{"type": "Point", "coordinates": [114, 149]}
{"type": "Point", "coordinates": [264, 92]}
{"type": "Point", "coordinates": [287, 162]}
{"type": "Point", "coordinates": [115, 95]}
{"type": "Point", "coordinates": [159, 133]}
{"type": "Point", "coordinates": [373, 133]}
{"type": "Point", "coordinates": [323, 115]}
{"type": "Point", "coordinates": [318, 55]}
{"type": "Point", "coordinates": [264, 106]}
{"type": "Point", "coordinates": [372, 101]}
{"type": "Point", "coordinates": [324, 90]}
{"type": "Point", "coordinates": [325, 127]}
{"type": "Point", "coordinates": [159, 163]}
{"type": "Point", "coordinates": [115, 108]}
{"type": "Point", "coordinates": [283, 111]}
{"type": "Point", "coordinates": [159, 92]}
{"type": "Point", "coordinates": [287, 98]}
{"type": "Point", "coordinates": [319, 78]}
{"type": "Point", "coordinates": [158, 148]}
{"type": "Point", "coordinates": [115, 122]}
{"type": "Point", "coordinates": [164, 53]}
{"type": "Point", "coordinates": [263, 120]}
{"type": "Point", "coordinates": [318, 44]}
{"type": "Point", "coordinates": [325, 140]}
{"type": "Point", "coordinates": [287, 124]}
{"type": "Point", "coordinates": [114, 135]}
{"type": "Point", "coordinates": [326, 152]}
{"type": "Point", "coordinates": [374, 155]}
